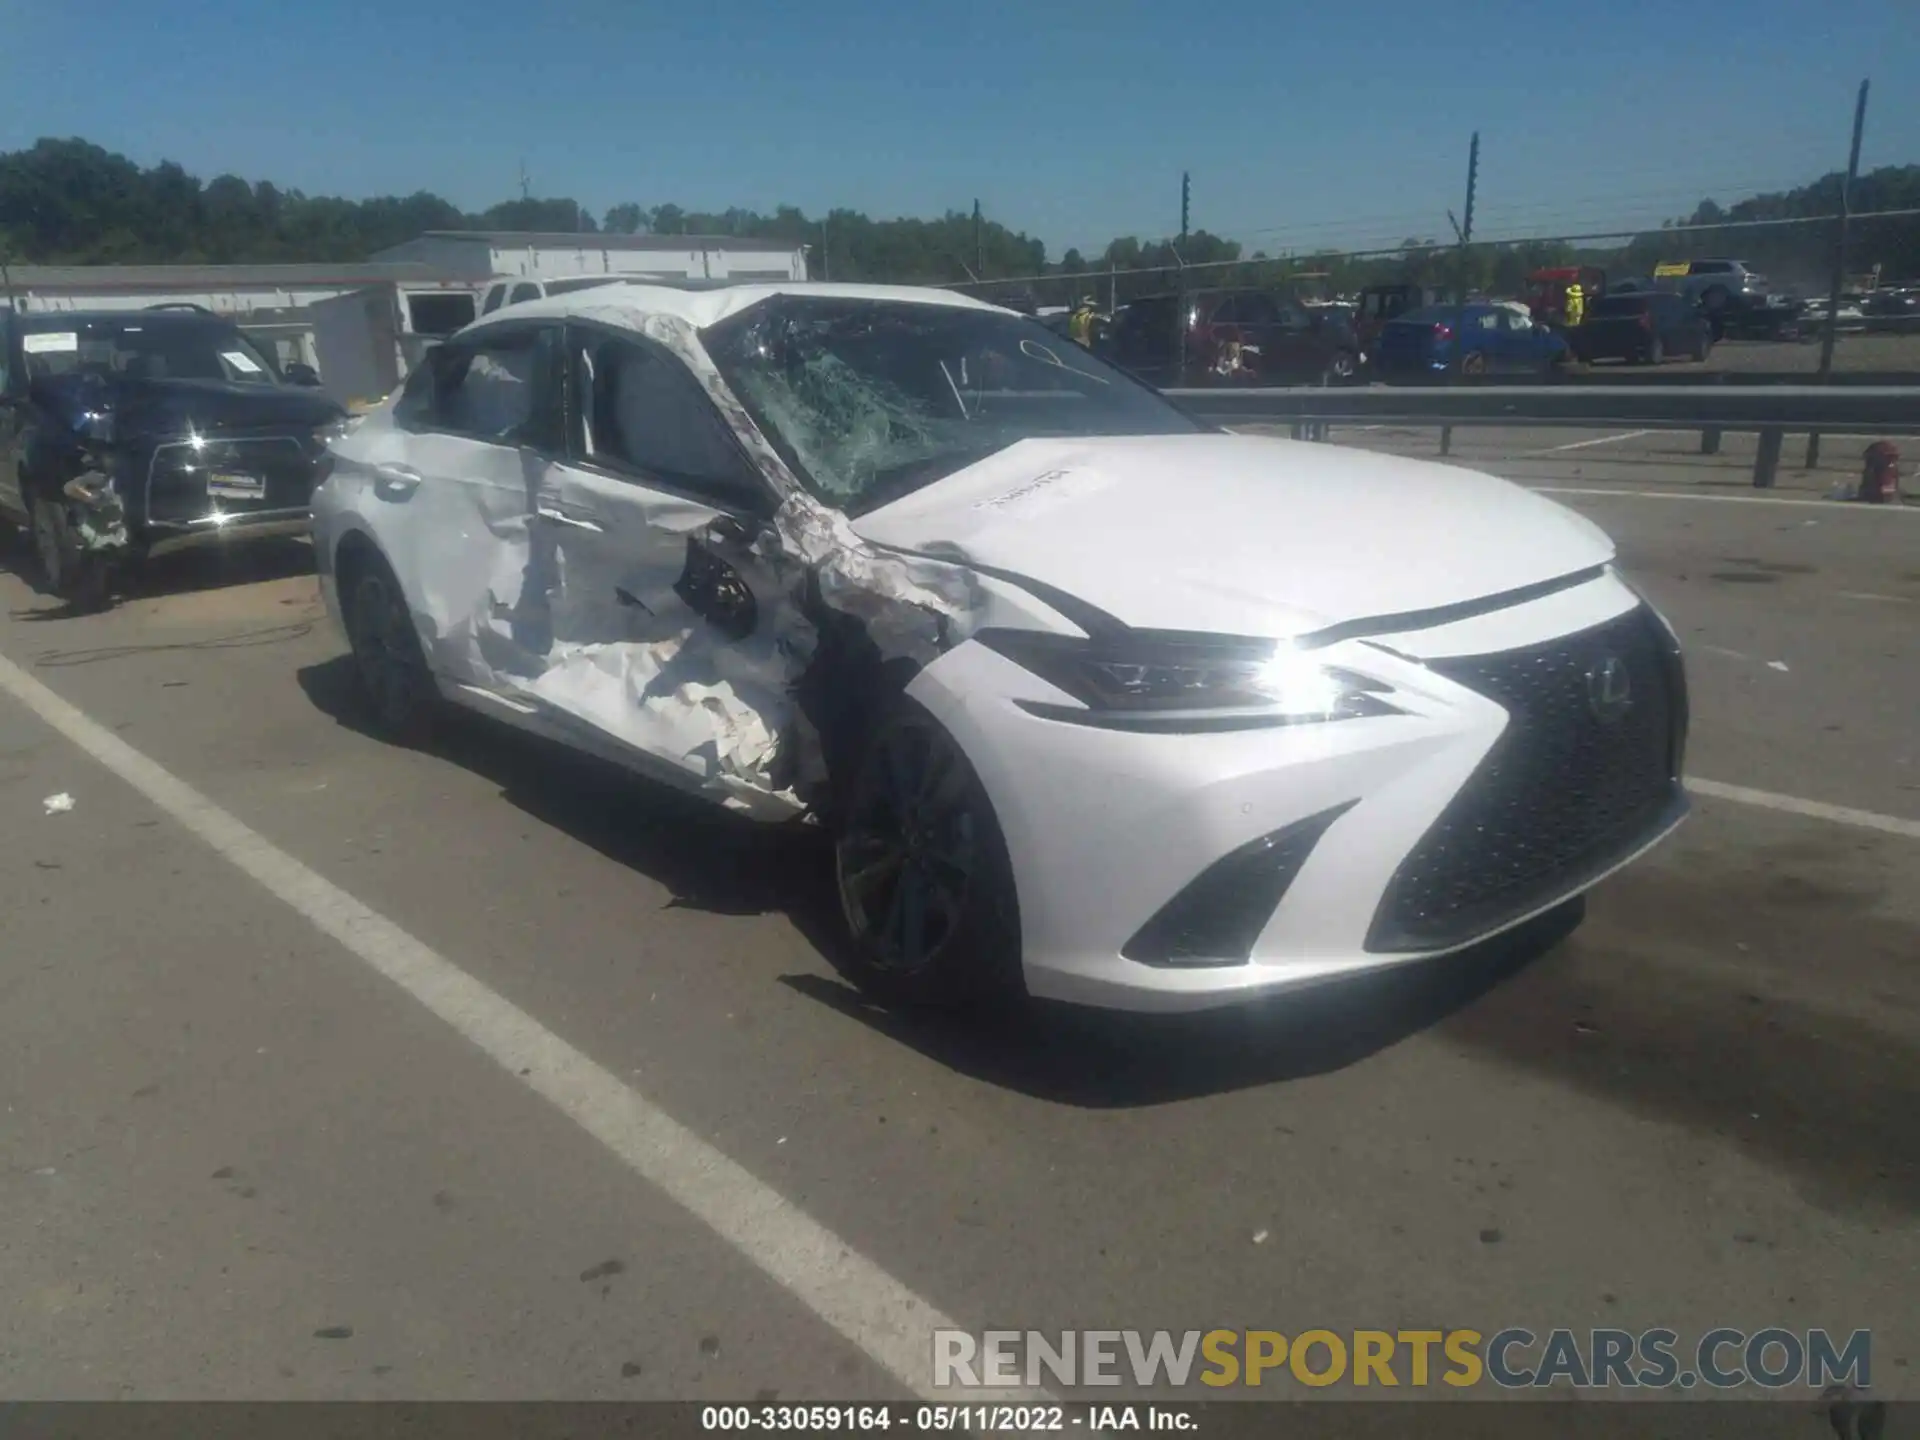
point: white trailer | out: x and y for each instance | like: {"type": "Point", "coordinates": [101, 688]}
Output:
{"type": "Point", "coordinates": [367, 341]}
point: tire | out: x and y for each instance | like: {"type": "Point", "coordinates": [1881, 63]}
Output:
{"type": "Point", "coordinates": [394, 678]}
{"type": "Point", "coordinates": [1473, 364]}
{"type": "Point", "coordinates": [1702, 346]}
{"type": "Point", "coordinates": [925, 883]}
{"type": "Point", "coordinates": [1656, 351]}
{"type": "Point", "coordinates": [1341, 368]}
{"type": "Point", "coordinates": [82, 580]}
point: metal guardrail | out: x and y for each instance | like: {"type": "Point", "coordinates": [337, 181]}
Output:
{"type": "Point", "coordinates": [1771, 411]}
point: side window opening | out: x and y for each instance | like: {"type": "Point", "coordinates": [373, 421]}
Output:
{"type": "Point", "coordinates": [525, 291]}
{"type": "Point", "coordinates": [494, 296]}
{"type": "Point", "coordinates": [499, 390]}
{"type": "Point", "coordinates": [640, 413]}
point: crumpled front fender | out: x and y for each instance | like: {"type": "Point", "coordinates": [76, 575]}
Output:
{"type": "Point", "coordinates": [98, 512]}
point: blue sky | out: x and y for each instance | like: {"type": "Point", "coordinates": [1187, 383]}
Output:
{"type": "Point", "coordinates": [1302, 125]}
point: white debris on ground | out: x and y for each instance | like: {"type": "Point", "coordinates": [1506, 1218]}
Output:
{"type": "Point", "coordinates": [58, 804]}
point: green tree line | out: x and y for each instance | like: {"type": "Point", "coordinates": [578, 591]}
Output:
{"type": "Point", "coordinates": [73, 202]}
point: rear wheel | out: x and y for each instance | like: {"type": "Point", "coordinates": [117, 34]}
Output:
{"type": "Point", "coordinates": [1474, 363]}
{"type": "Point", "coordinates": [925, 882]}
{"type": "Point", "coordinates": [386, 651]}
{"type": "Point", "coordinates": [1656, 351]}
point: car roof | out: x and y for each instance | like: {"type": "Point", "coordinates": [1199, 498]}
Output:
{"type": "Point", "coordinates": [634, 301]}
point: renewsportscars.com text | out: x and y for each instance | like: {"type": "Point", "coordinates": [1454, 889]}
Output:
{"type": "Point", "coordinates": [1515, 1358]}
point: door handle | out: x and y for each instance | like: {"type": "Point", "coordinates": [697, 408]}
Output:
{"type": "Point", "coordinates": [396, 477]}
{"type": "Point", "coordinates": [572, 522]}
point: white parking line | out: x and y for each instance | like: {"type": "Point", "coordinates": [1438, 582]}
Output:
{"type": "Point", "coordinates": [825, 1273]}
{"type": "Point", "coordinates": [1813, 809]}
{"type": "Point", "coordinates": [1586, 444]}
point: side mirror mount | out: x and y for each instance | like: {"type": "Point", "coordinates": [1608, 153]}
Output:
{"type": "Point", "coordinates": [301, 373]}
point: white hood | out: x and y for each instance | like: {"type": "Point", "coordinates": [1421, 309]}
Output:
{"type": "Point", "coordinates": [1239, 534]}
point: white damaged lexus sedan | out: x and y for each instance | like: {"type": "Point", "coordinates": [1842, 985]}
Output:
{"type": "Point", "coordinates": [1097, 702]}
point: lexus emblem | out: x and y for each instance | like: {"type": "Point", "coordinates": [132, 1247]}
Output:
{"type": "Point", "coordinates": [1609, 688]}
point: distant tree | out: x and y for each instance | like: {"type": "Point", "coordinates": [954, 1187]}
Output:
{"type": "Point", "coordinates": [626, 218]}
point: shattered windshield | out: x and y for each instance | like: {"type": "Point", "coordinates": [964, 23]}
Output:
{"type": "Point", "coordinates": [873, 399]}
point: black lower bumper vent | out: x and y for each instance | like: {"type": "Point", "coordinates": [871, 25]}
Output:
{"type": "Point", "coordinates": [1218, 916]}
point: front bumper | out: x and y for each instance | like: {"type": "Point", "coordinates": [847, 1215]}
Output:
{"type": "Point", "coordinates": [220, 528]}
{"type": "Point", "coordinates": [1105, 829]}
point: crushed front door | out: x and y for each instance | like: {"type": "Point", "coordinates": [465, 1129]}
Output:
{"type": "Point", "coordinates": [662, 640]}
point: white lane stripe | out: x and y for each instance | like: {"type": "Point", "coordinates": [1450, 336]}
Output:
{"type": "Point", "coordinates": [826, 1274]}
{"type": "Point", "coordinates": [1831, 507]}
{"type": "Point", "coordinates": [1869, 595]}
{"type": "Point", "coordinates": [1586, 444]}
{"type": "Point", "coordinates": [1812, 809]}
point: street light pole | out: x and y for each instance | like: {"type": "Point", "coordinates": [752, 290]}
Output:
{"type": "Point", "coordinates": [1840, 257]}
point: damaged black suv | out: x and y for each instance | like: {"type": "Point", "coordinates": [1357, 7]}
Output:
{"type": "Point", "coordinates": [126, 434]}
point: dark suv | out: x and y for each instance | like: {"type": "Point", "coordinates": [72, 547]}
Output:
{"type": "Point", "coordinates": [1232, 336]}
{"type": "Point", "coordinates": [127, 433]}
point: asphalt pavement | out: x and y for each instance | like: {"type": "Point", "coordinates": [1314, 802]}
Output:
{"type": "Point", "coordinates": [338, 1070]}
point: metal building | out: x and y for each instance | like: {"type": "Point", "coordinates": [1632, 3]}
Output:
{"type": "Point", "coordinates": [478, 256]}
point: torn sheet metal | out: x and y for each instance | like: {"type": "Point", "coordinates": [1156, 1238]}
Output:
{"type": "Point", "coordinates": [98, 515]}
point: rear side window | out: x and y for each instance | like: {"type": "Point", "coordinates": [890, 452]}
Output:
{"type": "Point", "coordinates": [524, 292]}
{"type": "Point", "coordinates": [501, 389]}
{"type": "Point", "coordinates": [1488, 321]}
{"type": "Point", "coordinates": [494, 296]}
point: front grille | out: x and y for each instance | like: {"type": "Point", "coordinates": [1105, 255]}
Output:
{"type": "Point", "coordinates": [235, 475]}
{"type": "Point", "coordinates": [1566, 792]}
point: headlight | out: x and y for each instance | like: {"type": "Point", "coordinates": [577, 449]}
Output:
{"type": "Point", "coordinates": [1194, 682]}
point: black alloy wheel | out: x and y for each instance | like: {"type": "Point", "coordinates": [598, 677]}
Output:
{"type": "Point", "coordinates": [386, 651]}
{"type": "Point", "coordinates": [925, 883]}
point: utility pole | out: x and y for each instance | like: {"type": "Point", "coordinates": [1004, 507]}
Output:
{"type": "Point", "coordinates": [825, 270]}
{"type": "Point", "coordinates": [1186, 199]}
{"type": "Point", "coordinates": [526, 190]}
{"type": "Point", "coordinates": [979, 243]}
{"type": "Point", "coordinates": [1465, 227]}
{"type": "Point", "coordinates": [1840, 257]}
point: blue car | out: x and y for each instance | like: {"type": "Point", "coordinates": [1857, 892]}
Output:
{"type": "Point", "coordinates": [1439, 341]}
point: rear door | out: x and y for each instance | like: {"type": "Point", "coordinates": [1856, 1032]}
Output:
{"type": "Point", "coordinates": [661, 643]}
{"type": "Point", "coordinates": [452, 475]}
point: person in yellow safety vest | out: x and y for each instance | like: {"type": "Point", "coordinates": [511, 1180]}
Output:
{"type": "Point", "coordinates": [1080, 327]}
{"type": "Point", "coordinates": [1576, 304]}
